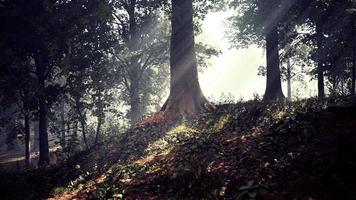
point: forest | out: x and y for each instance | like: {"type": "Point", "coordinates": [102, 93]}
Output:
{"type": "Point", "coordinates": [104, 99]}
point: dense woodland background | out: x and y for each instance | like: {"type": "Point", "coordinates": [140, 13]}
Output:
{"type": "Point", "coordinates": [84, 80]}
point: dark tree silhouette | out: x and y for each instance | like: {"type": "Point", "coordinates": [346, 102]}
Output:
{"type": "Point", "coordinates": [261, 22]}
{"type": "Point", "coordinates": [273, 82]}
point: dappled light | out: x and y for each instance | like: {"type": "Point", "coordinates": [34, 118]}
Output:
{"type": "Point", "coordinates": [178, 99]}
{"type": "Point", "coordinates": [198, 160]}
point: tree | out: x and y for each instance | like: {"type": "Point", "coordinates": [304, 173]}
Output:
{"type": "Point", "coordinates": [273, 85]}
{"type": "Point", "coordinates": [17, 91]}
{"type": "Point", "coordinates": [143, 45]}
{"type": "Point", "coordinates": [186, 97]}
{"type": "Point", "coordinates": [42, 31]}
{"type": "Point", "coordinates": [330, 38]}
{"type": "Point", "coordinates": [91, 77]}
{"type": "Point", "coordinates": [263, 23]}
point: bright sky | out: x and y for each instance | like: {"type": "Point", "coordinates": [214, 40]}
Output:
{"type": "Point", "coordinates": [235, 71]}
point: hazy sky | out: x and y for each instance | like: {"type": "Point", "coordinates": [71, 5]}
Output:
{"type": "Point", "coordinates": [235, 71]}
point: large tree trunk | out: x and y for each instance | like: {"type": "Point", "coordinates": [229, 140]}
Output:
{"type": "Point", "coordinates": [273, 85]}
{"type": "Point", "coordinates": [186, 97]}
{"type": "Point", "coordinates": [27, 140]}
{"type": "Point", "coordinates": [41, 62]}
{"type": "Point", "coordinates": [320, 70]}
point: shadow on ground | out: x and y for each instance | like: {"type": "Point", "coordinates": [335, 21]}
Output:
{"type": "Point", "coordinates": [239, 151]}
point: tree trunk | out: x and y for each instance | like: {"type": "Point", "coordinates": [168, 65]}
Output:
{"type": "Point", "coordinates": [135, 111]}
{"type": "Point", "coordinates": [27, 128]}
{"type": "Point", "coordinates": [36, 136]}
{"type": "Point", "coordinates": [41, 62]}
{"type": "Point", "coordinates": [63, 124]}
{"type": "Point", "coordinates": [98, 129]}
{"type": "Point", "coordinates": [321, 93]}
{"type": "Point", "coordinates": [353, 54]}
{"type": "Point", "coordinates": [289, 80]}
{"type": "Point", "coordinates": [68, 127]}
{"type": "Point", "coordinates": [334, 85]}
{"type": "Point", "coordinates": [273, 85]}
{"type": "Point", "coordinates": [186, 97]}
{"type": "Point", "coordinates": [82, 118]}
{"type": "Point", "coordinates": [27, 140]}
{"type": "Point", "coordinates": [43, 135]}
{"type": "Point", "coordinates": [320, 71]}
{"type": "Point", "coordinates": [100, 118]}
{"type": "Point", "coordinates": [135, 69]}
{"type": "Point", "coordinates": [82, 123]}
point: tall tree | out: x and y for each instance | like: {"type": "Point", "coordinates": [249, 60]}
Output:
{"type": "Point", "coordinates": [143, 46]}
{"type": "Point", "coordinates": [273, 83]}
{"type": "Point", "coordinates": [330, 29]}
{"type": "Point", "coordinates": [320, 70]}
{"type": "Point", "coordinates": [263, 23]}
{"type": "Point", "coordinates": [186, 96]}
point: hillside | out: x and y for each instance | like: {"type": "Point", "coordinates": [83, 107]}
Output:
{"type": "Point", "coordinates": [248, 150]}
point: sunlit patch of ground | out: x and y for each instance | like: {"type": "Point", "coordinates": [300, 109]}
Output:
{"type": "Point", "coordinates": [17, 161]}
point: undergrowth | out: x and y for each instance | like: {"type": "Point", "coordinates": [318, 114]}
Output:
{"type": "Point", "coordinates": [244, 150]}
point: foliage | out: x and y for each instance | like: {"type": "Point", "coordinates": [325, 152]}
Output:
{"type": "Point", "coordinates": [245, 150]}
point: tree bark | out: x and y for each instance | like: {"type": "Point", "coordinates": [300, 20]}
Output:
{"type": "Point", "coordinates": [135, 69]}
{"type": "Point", "coordinates": [63, 125]}
{"type": "Point", "coordinates": [186, 97]}
{"type": "Point", "coordinates": [27, 127]}
{"type": "Point", "coordinates": [320, 70]}
{"type": "Point", "coordinates": [82, 120]}
{"type": "Point", "coordinates": [41, 62]}
{"type": "Point", "coordinates": [82, 123]}
{"type": "Point", "coordinates": [135, 111]}
{"type": "Point", "coordinates": [36, 136]}
{"type": "Point", "coordinates": [273, 86]}
{"type": "Point", "coordinates": [353, 83]}
{"type": "Point", "coordinates": [27, 140]}
{"type": "Point", "coordinates": [43, 135]}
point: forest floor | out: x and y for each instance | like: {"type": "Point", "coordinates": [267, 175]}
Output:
{"type": "Point", "coordinates": [243, 151]}
{"type": "Point", "coordinates": [15, 161]}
